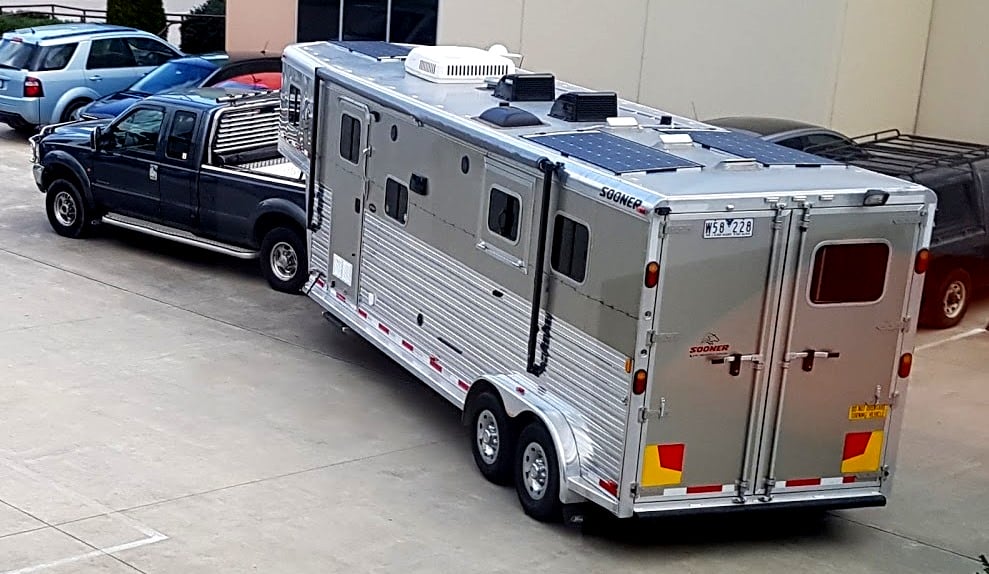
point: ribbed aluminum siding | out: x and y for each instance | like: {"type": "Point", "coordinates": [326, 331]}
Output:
{"type": "Point", "coordinates": [319, 240]}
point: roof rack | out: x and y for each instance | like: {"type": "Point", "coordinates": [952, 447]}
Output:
{"type": "Point", "coordinates": [245, 98]}
{"type": "Point", "coordinates": [903, 155]}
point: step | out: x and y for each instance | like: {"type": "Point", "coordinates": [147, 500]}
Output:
{"type": "Point", "coordinates": [177, 235]}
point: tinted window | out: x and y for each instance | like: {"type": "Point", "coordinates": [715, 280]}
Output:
{"type": "Point", "coordinates": [148, 52]}
{"type": "Point", "coordinates": [570, 243]}
{"type": "Point", "coordinates": [396, 200]}
{"type": "Point", "coordinates": [139, 130]}
{"type": "Point", "coordinates": [365, 19]}
{"type": "Point", "coordinates": [170, 76]}
{"type": "Point", "coordinates": [504, 212]}
{"type": "Point", "coordinates": [56, 57]}
{"type": "Point", "coordinates": [16, 55]}
{"type": "Point", "coordinates": [112, 53]}
{"type": "Point", "coordinates": [414, 21]}
{"type": "Point", "coordinates": [798, 143]}
{"type": "Point", "coordinates": [180, 136]}
{"type": "Point", "coordinates": [350, 138]}
{"type": "Point", "coordinates": [957, 206]}
{"type": "Point", "coordinates": [849, 273]}
{"type": "Point", "coordinates": [822, 140]}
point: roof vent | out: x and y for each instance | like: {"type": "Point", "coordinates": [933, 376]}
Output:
{"type": "Point", "coordinates": [526, 88]}
{"type": "Point", "coordinates": [456, 64]}
{"type": "Point", "coordinates": [585, 106]}
{"type": "Point", "coordinates": [509, 117]}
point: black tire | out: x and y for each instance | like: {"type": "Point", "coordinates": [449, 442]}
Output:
{"type": "Point", "coordinates": [73, 107]}
{"type": "Point", "coordinates": [284, 262]}
{"type": "Point", "coordinates": [545, 507]}
{"type": "Point", "coordinates": [496, 460]}
{"type": "Point", "coordinates": [23, 128]}
{"type": "Point", "coordinates": [67, 211]}
{"type": "Point", "coordinates": [946, 303]}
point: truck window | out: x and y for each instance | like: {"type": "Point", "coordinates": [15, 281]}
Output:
{"type": "Point", "coordinates": [504, 213]}
{"type": "Point", "coordinates": [570, 243]}
{"type": "Point", "coordinates": [396, 200]}
{"type": "Point", "coordinates": [180, 136]}
{"type": "Point", "coordinates": [350, 139]}
{"type": "Point", "coordinates": [139, 131]}
{"type": "Point", "coordinates": [957, 206]}
{"type": "Point", "coordinates": [849, 273]}
{"type": "Point", "coordinates": [111, 53]}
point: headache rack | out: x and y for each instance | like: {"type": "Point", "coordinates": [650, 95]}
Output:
{"type": "Point", "coordinates": [903, 155]}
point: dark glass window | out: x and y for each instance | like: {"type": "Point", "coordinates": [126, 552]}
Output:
{"type": "Point", "coordinates": [148, 52]}
{"type": "Point", "coordinates": [414, 21]}
{"type": "Point", "coordinates": [111, 53]}
{"type": "Point", "coordinates": [504, 213]}
{"type": "Point", "coordinates": [180, 137]}
{"type": "Point", "coordinates": [396, 200]}
{"type": "Point", "coordinates": [294, 105]}
{"type": "Point", "coordinates": [139, 130]}
{"type": "Point", "coordinates": [350, 139]}
{"type": "Point", "coordinates": [56, 57]}
{"type": "Point", "coordinates": [365, 19]}
{"type": "Point", "coordinates": [849, 273]}
{"type": "Point", "coordinates": [957, 206]}
{"type": "Point", "coordinates": [319, 20]}
{"type": "Point", "coordinates": [410, 21]}
{"type": "Point", "coordinates": [570, 243]}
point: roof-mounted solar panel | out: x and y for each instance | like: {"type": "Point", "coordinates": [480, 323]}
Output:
{"type": "Point", "coordinates": [766, 153]}
{"type": "Point", "coordinates": [375, 49]}
{"type": "Point", "coordinates": [613, 153]}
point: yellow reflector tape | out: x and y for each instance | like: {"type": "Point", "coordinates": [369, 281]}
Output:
{"type": "Point", "coordinates": [659, 472]}
{"type": "Point", "coordinates": [867, 461]}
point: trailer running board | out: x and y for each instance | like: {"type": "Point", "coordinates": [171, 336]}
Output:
{"type": "Point", "coordinates": [177, 235]}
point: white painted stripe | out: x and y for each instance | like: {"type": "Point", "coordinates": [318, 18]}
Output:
{"type": "Point", "coordinates": [679, 491]}
{"type": "Point", "coordinates": [832, 481]}
{"type": "Point", "coordinates": [88, 555]}
{"type": "Point", "coordinates": [951, 339]}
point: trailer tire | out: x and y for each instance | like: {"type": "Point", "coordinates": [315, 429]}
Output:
{"type": "Point", "coordinates": [537, 474]}
{"type": "Point", "coordinates": [945, 305]}
{"type": "Point", "coordinates": [284, 262]}
{"type": "Point", "coordinates": [66, 209]}
{"type": "Point", "coordinates": [492, 441]}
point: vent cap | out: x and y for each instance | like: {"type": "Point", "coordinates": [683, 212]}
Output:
{"type": "Point", "coordinates": [456, 64]}
{"type": "Point", "coordinates": [585, 106]}
{"type": "Point", "coordinates": [509, 117]}
{"type": "Point", "coordinates": [526, 88]}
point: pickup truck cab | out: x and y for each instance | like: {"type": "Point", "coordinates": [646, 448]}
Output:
{"type": "Point", "coordinates": [200, 168]}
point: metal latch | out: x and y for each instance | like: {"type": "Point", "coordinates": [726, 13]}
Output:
{"type": "Point", "coordinates": [646, 413]}
{"type": "Point", "coordinates": [810, 355]}
{"type": "Point", "coordinates": [735, 362]}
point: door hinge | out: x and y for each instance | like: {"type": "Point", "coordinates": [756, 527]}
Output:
{"type": "Point", "coordinates": [633, 489]}
{"type": "Point", "coordinates": [740, 487]}
{"type": "Point", "coordinates": [650, 337]}
{"type": "Point", "coordinates": [647, 413]}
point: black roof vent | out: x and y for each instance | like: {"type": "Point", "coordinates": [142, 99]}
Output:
{"type": "Point", "coordinates": [526, 88]}
{"type": "Point", "coordinates": [505, 116]}
{"type": "Point", "coordinates": [585, 106]}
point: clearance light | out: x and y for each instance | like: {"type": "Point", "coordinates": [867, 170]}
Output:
{"type": "Point", "coordinates": [639, 382]}
{"type": "Point", "coordinates": [875, 197]}
{"type": "Point", "coordinates": [906, 363]}
{"type": "Point", "coordinates": [922, 261]}
{"type": "Point", "coordinates": [652, 274]}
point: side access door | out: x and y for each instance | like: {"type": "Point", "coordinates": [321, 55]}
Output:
{"type": "Point", "coordinates": [837, 357]}
{"type": "Point", "coordinates": [719, 288]}
{"type": "Point", "coordinates": [345, 168]}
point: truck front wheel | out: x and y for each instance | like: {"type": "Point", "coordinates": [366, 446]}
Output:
{"type": "Point", "coordinates": [284, 262]}
{"type": "Point", "coordinates": [66, 209]}
{"type": "Point", "coordinates": [945, 305]}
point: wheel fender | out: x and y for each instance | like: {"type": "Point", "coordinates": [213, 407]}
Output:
{"type": "Point", "coordinates": [280, 206]}
{"type": "Point", "coordinates": [69, 97]}
{"type": "Point", "coordinates": [59, 158]}
{"type": "Point", "coordinates": [517, 403]}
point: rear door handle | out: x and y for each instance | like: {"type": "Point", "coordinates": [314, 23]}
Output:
{"type": "Point", "coordinates": [735, 362]}
{"type": "Point", "coordinates": [807, 357]}
{"type": "Point", "coordinates": [96, 78]}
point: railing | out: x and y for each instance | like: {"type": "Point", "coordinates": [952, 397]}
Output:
{"type": "Point", "coordinates": [64, 12]}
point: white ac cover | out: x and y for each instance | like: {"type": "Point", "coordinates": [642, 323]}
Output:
{"type": "Point", "coordinates": [456, 64]}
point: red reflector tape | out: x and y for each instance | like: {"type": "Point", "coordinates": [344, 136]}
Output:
{"type": "Point", "coordinates": [320, 282]}
{"type": "Point", "coordinates": [520, 390]}
{"type": "Point", "coordinates": [463, 385]}
{"type": "Point", "coordinates": [803, 482]}
{"type": "Point", "coordinates": [610, 486]}
{"type": "Point", "coordinates": [362, 313]}
{"type": "Point", "coordinates": [407, 345]}
{"type": "Point", "coordinates": [848, 479]}
{"type": "Point", "coordinates": [384, 329]}
{"type": "Point", "coordinates": [341, 297]}
{"type": "Point", "coordinates": [435, 363]}
{"type": "Point", "coordinates": [704, 489]}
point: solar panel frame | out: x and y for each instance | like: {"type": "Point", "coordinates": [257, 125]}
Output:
{"type": "Point", "coordinates": [764, 152]}
{"type": "Point", "coordinates": [613, 153]}
{"type": "Point", "coordinates": [376, 49]}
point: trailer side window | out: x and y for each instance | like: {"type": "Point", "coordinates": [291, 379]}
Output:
{"type": "Point", "coordinates": [849, 273]}
{"type": "Point", "coordinates": [294, 105]}
{"type": "Point", "coordinates": [570, 243]}
{"type": "Point", "coordinates": [350, 138]}
{"type": "Point", "coordinates": [504, 214]}
{"type": "Point", "coordinates": [396, 200]}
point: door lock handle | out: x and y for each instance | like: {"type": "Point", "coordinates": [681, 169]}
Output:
{"type": "Point", "coordinates": [735, 361]}
{"type": "Point", "coordinates": [96, 78]}
{"type": "Point", "coordinates": [810, 355]}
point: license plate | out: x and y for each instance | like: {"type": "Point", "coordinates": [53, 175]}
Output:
{"type": "Point", "coordinates": [866, 412]}
{"type": "Point", "coordinates": [719, 228]}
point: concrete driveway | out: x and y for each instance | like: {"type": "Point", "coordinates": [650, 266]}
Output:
{"type": "Point", "coordinates": [164, 412]}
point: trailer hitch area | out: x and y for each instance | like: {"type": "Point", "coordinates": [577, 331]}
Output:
{"type": "Point", "coordinates": [810, 355]}
{"type": "Point", "coordinates": [735, 361]}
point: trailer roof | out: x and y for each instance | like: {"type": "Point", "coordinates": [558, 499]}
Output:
{"type": "Point", "coordinates": [663, 158]}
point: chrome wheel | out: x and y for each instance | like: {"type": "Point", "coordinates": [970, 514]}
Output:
{"type": "Point", "coordinates": [954, 299]}
{"type": "Point", "coordinates": [65, 209]}
{"type": "Point", "coordinates": [488, 438]}
{"type": "Point", "coordinates": [284, 261]}
{"type": "Point", "coordinates": [535, 470]}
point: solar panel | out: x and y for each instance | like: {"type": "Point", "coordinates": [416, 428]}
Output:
{"type": "Point", "coordinates": [764, 152]}
{"type": "Point", "coordinates": [613, 153]}
{"type": "Point", "coordinates": [375, 49]}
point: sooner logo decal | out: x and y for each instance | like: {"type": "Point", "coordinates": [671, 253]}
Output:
{"type": "Point", "coordinates": [709, 345]}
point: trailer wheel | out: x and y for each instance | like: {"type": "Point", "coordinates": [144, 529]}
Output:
{"type": "Point", "coordinates": [491, 439]}
{"type": "Point", "coordinates": [537, 476]}
{"type": "Point", "coordinates": [946, 304]}
{"type": "Point", "coordinates": [283, 260]}
{"type": "Point", "coordinates": [66, 209]}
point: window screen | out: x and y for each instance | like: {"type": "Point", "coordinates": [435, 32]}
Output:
{"type": "Point", "coordinates": [504, 212]}
{"type": "Point", "coordinates": [350, 138]}
{"type": "Point", "coordinates": [849, 273]}
{"type": "Point", "coordinates": [396, 200]}
{"type": "Point", "coordinates": [570, 243]}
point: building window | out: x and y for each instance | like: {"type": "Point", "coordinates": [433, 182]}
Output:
{"type": "Point", "coordinates": [404, 21]}
{"type": "Point", "coordinates": [396, 200]}
{"type": "Point", "coordinates": [570, 243]}
{"type": "Point", "coordinates": [849, 273]}
{"type": "Point", "coordinates": [504, 213]}
{"type": "Point", "coordinates": [350, 138]}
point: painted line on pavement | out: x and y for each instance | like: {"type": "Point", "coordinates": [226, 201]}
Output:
{"type": "Point", "coordinates": [952, 339]}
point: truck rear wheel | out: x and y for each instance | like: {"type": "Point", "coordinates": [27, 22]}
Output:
{"type": "Point", "coordinates": [537, 475]}
{"type": "Point", "coordinates": [66, 209]}
{"type": "Point", "coordinates": [284, 262]}
{"type": "Point", "coordinates": [945, 305]}
{"type": "Point", "coordinates": [491, 439]}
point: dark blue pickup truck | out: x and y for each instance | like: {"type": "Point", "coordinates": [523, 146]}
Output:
{"type": "Point", "coordinates": [201, 168]}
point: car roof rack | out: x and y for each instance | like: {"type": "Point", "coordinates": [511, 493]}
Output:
{"type": "Point", "coordinates": [903, 155]}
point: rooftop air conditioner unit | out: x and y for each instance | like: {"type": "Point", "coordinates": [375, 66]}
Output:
{"type": "Point", "coordinates": [456, 64]}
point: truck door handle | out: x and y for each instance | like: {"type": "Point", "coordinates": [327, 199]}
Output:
{"type": "Point", "coordinates": [735, 361]}
{"type": "Point", "coordinates": [807, 357]}
{"type": "Point", "coordinates": [153, 173]}
{"type": "Point", "coordinates": [96, 78]}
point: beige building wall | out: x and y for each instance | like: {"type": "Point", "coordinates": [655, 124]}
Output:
{"type": "Point", "coordinates": [255, 25]}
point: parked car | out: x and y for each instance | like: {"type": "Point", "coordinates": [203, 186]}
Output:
{"type": "Point", "coordinates": [49, 72]}
{"type": "Point", "coordinates": [173, 75]}
{"type": "Point", "coordinates": [200, 168]}
{"type": "Point", "coordinates": [785, 132]}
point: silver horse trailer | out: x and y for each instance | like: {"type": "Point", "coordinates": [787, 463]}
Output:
{"type": "Point", "coordinates": [632, 308]}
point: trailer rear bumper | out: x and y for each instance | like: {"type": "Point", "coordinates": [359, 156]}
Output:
{"type": "Point", "coordinates": [780, 502]}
